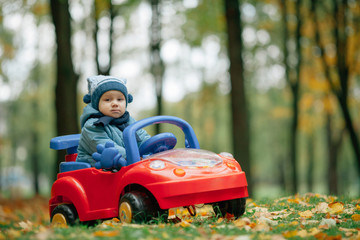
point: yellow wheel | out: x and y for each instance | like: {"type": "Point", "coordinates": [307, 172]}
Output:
{"type": "Point", "coordinates": [136, 207]}
{"type": "Point", "coordinates": [63, 215]}
{"type": "Point", "coordinates": [59, 220]}
{"type": "Point", "coordinates": [125, 212]}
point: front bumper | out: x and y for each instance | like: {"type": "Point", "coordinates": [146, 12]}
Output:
{"type": "Point", "coordinates": [197, 191]}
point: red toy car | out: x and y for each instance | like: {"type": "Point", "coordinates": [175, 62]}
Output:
{"type": "Point", "coordinates": [155, 179]}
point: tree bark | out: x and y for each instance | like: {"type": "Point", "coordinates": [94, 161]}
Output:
{"type": "Point", "coordinates": [294, 83]}
{"type": "Point", "coordinates": [239, 111]}
{"type": "Point", "coordinates": [343, 72]}
{"type": "Point", "coordinates": [311, 162]}
{"type": "Point", "coordinates": [104, 70]}
{"type": "Point", "coordinates": [341, 91]}
{"type": "Point", "coordinates": [157, 64]}
{"type": "Point", "coordinates": [66, 78]}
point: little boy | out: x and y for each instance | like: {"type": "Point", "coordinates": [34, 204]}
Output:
{"type": "Point", "coordinates": [105, 117]}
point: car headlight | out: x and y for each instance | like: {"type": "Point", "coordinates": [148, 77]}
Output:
{"type": "Point", "coordinates": [157, 165]}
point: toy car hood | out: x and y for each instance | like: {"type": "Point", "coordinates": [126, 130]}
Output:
{"type": "Point", "coordinates": [189, 158]}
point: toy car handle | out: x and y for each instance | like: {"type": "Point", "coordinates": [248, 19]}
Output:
{"type": "Point", "coordinates": [131, 147]}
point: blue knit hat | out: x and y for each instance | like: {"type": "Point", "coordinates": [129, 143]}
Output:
{"type": "Point", "coordinates": [98, 85]}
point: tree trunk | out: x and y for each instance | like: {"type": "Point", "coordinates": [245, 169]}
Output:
{"type": "Point", "coordinates": [333, 149]}
{"type": "Point", "coordinates": [157, 65]}
{"type": "Point", "coordinates": [343, 72]}
{"type": "Point", "coordinates": [311, 161]}
{"type": "Point", "coordinates": [104, 70]}
{"type": "Point", "coordinates": [239, 111]}
{"type": "Point", "coordinates": [294, 83]}
{"type": "Point", "coordinates": [341, 92]}
{"type": "Point", "coordinates": [35, 160]}
{"type": "Point", "coordinates": [66, 78]}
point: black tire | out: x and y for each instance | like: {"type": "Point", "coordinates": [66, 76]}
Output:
{"type": "Point", "coordinates": [234, 207]}
{"type": "Point", "coordinates": [65, 211]}
{"type": "Point", "coordinates": [137, 207]}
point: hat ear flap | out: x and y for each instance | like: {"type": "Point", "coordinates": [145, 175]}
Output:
{"type": "Point", "coordinates": [87, 98]}
{"type": "Point", "coordinates": [130, 98]}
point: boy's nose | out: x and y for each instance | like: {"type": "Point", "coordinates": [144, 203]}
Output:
{"type": "Point", "coordinates": [114, 103]}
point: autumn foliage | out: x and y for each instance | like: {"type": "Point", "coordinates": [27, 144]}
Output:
{"type": "Point", "coordinates": [308, 216]}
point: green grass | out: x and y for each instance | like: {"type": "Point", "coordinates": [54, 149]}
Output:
{"type": "Point", "coordinates": [293, 217]}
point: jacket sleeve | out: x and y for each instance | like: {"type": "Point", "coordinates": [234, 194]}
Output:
{"type": "Point", "coordinates": [143, 135]}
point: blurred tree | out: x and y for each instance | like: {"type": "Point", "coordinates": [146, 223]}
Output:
{"type": "Point", "coordinates": [39, 10]}
{"type": "Point", "coordinates": [66, 78]}
{"type": "Point", "coordinates": [239, 111]}
{"type": "Point", "coordinates": [292, 72]}
{"type": "Point", "coordinates": [35, 142]}
{"type": "Point", "coordinates": [100, 7]}
{"type": "Point", "coordinates": [157, 64]}
{"type": "Point", "coordinates": [338, 66]}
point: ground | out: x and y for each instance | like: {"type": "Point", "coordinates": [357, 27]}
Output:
{"type": "Point", "coordinates": [306, 216]}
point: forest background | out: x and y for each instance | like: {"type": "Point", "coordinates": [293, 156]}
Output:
{"type": "Point", "coordinates": [275, 82]}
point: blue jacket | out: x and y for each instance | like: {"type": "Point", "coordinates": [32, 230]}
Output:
{"type": "Point", "coordinates": [92, 135]}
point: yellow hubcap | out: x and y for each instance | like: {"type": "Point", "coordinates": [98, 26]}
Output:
{"type": "Point", "coordinates": [125, 213]}
{"type": "Point", "coordinates": [59, 220]}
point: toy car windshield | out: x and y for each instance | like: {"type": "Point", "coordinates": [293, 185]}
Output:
{"type": "Point", "coordinates": [190, 158]}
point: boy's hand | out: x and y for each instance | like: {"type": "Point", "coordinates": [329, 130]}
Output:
{"type": "Point", "coordinates": [108, 157]}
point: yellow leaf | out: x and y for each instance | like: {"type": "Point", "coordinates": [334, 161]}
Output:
{"type": "Point", "coordinates": [306, 214]}
{"type": "Point", "coordinates": [314, 231]}
{"type": "Point", "coordinates": [355, 217]}
{"type": "Point", "coordinates": [262, 227]}
{"type": "Point", "coordinates": [302, 233]}
{"type": "Point", "coordinates": [106, 233]}
{"type": "Point", "coordinates": [290, 234]}
{"type": "Point", "coordinates": [294, 223]}
{"type": "Point", "coordinates": [336, 207]}
{"type": "Point", "coordinates": [296, 200]}
{"type": "Point", "coordinates": [240, 223]}
{"type": "Point", "coordinates": [184, 224]}
{"type": "Point", "coordinates": [11, 233]}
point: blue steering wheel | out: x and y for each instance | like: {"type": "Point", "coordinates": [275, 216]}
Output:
{"type": "Point", "coordinates": [158, 143]}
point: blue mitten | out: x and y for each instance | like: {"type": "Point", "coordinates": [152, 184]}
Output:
{"type": "Point", "coordinates": [108, 157]}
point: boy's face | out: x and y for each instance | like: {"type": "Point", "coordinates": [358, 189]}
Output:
{"type": "Point", "coordinates": [112, 103]}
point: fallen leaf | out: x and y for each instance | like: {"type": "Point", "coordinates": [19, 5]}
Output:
{"type": "Point", "coordinates": [302, 233]}
{"type": "Point", "coordinates": [294, 223]}
{"type": "Point", "coordinates": [327, 223]}
{"type": "Point", "coordinates": [262, 227]}
{"type": "Point", "coordinates": [348, 231]}
{"type": "Point", "coordinates": [314, 231]}
{"type": "Point", "coordinates": [321, 208]}
{"type": "Point", "coordinates": [267, 221]}
{"type": "Point", "coordinates": [290, 234]}
{"type": "Point", "coordinates": [355, 217]}
{"type": "Point", "coordinates": [184, 224]}
{"type": "Point", "coordinates": [321, 235]}
{"type": "Point", "coordinates": [336, 207]}
{"type": "Point", "coordinates": [306, 214]}
{"type": "Point", "coordinates": [106, 233]}
{"type": "Point", "coordinates": [357, 206]}
{"type": "Point", "coordinates": [241, 222]}
{"type": "Point", "coordinates": [26, 226]}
